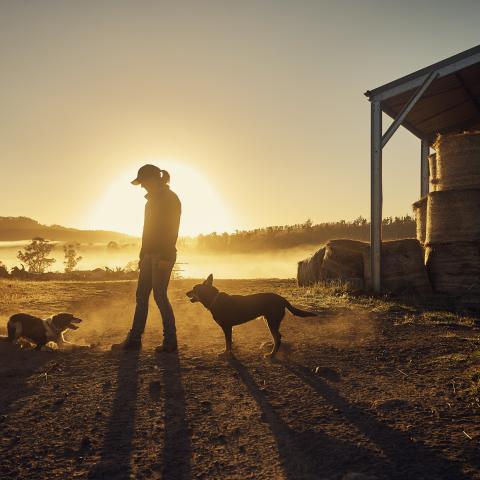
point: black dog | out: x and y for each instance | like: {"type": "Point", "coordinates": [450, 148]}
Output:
{"type": "Point", "coordinates": [229, 310]}
{"type": "Point", "coordinates": [41, 331]}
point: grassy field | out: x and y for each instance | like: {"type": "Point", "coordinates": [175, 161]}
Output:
{"type": "Point", "coordinates": [371, 388]}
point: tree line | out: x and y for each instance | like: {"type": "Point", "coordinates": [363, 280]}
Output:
{"type": "Point", "coordinates": [307, 233]}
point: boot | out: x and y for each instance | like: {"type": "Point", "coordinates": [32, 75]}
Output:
{"type": "Point", "coordinates": [167, 347]}
{"type": "Point", "coordinates": [132, 343]}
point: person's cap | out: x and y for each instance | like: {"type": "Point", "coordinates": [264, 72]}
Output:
{"type": "Point", "coordinates": [145, 172]}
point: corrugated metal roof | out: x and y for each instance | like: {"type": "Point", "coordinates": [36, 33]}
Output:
{"type": "Point", "coordinates": [450, 104]}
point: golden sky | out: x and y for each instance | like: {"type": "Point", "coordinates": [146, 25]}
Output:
{"type": "Point", "coordinates": [255, 107]}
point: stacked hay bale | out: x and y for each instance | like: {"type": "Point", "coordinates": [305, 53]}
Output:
{"type": "Point", "coordinates": [432, 165]}
{"type": "Point", "coordinates": [452, 236]}
{"type": "Point", "coordinates": [420, 214]}
{"type": "Point", "coordinates": [343, 261]}
{"type": "Point", "coordinates": [420, 206]}
{"type": "Point", "coordinates": [403, 269]}
{"type": "Point", "coordinates": [348, 261]}
{"type": "Point", "coordinates": [337, 260]}
{"type": "Point", "coordinates": [308, 270]}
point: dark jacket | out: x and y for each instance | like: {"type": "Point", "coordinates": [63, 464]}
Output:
{"type": "Point", "coordinates": [160, 227]}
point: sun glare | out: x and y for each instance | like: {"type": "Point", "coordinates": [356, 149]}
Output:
{"type": "Point", "coordinates": [122, 205]}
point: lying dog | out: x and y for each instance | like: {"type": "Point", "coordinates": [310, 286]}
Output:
{"type": "Point", "coordinates": [41, 331]}
{"type": "Point", "coordinates": [230, 310]}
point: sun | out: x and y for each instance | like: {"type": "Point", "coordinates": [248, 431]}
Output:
{"type": "Point", "coordinates": [121, 207]}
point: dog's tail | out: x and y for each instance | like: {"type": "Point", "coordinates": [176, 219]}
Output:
{"type": "Point", "coordinates": [297, 312]}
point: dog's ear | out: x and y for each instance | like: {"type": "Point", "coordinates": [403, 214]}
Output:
{"type": "Point", "coordinates": [209, 280]}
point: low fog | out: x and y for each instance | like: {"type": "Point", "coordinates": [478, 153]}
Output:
{"type": "Point", "coordinates": [191, 263]}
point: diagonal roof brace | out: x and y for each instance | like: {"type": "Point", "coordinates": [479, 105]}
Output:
{"type": "Point", "coordinates": [475, 99]}
{"type": "Point", "coordinates": [408, 107]}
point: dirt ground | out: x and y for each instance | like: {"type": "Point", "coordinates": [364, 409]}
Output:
{"type": "Point", "coordinates": [369, 389]}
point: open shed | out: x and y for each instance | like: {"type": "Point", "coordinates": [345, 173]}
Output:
{"type": "Point", "coordinates": [439, 99]}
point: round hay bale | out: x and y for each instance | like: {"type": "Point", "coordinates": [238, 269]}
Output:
{"type": "Point", "coordinates": [343, 261]}
{"type": "Point", "coordinates": [454, 268]}
{"type": "Point", "coordinates": [420, 212]}
{"type": "Point", "coordinates": [403, 268]}
{"type": "Point", "coordinates": [453, 216]}
{"type": "Point", "coordinates": [308, 270]}
{"type": "Point", "coordinates": [432, 166]}
{"type": "Point", "coordinates": [458, 161]}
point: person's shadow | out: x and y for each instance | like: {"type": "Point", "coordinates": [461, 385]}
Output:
{"type": "Point", "coordinates": [177, 451]}
{"type": "Point", "coordinates": [175, 457]}
{"type": "Point", "coordinates": [115, 462]}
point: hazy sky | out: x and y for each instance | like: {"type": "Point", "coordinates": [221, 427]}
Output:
{"type": "Point", "coordinates": [257, 107]}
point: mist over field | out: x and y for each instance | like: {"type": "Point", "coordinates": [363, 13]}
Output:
{"type": "Point", "coordinates": [191, 262]}
{"type": "Point", "coordinates": [268, 252]}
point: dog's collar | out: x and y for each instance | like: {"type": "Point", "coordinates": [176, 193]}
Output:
{"type": "Point", "coordinates": [214, 301]}
{"type": "Point", "coordinates": [51, 330]}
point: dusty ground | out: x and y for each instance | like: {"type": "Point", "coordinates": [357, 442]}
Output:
{"type": "Point", "coordinates": [368, 390]}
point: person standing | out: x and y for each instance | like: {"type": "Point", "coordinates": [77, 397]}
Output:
{"type": "Point", "coordinates": [157, 257]}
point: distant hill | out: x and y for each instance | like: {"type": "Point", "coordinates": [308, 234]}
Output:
{"type": "Point", "coordinates": [24, 228]}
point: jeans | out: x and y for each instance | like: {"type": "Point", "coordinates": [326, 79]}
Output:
{"type": "Point", "coordinates": [154, 275]}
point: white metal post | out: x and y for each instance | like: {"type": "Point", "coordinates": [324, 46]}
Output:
{"type": "Point", "coordinates": [376, 196]}
{"type": "Point", "coordinates": [424, 170]}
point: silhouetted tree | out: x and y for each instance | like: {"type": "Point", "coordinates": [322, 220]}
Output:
{"type": "Point", "coordinates": [71, 259]}
{"type": "Point", "coordinates": [3, 270]}
{"type": "Point", "coordinates": [35, 255]}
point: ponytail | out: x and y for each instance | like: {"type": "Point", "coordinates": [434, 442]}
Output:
{"type": "Point", "coordinates": [165, 177]}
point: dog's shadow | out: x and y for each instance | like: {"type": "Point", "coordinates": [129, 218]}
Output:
{"type": "Point", "coordinates": [312, 454]}
{"type": "Point", "coordinates": [404, 458]}
{"type": "Point", "coordinates": [17, 365]}
{"type": "Point", "coordinates": [307, 454]}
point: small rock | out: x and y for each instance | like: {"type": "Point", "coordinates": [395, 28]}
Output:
{"type": "Point", "coordinates": [68, 452]}
{"type": "Point", "coordinates": [86, 444]}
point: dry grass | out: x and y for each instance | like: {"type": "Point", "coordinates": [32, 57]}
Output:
{"type": "Point", "coordinates": [46, 297]}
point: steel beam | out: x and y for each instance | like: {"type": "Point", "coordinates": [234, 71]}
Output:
{"type": "Point", "coordinates": [414, 80]}
{"type": "Point", "coordinates": [408, 107]}
{"type": "Point", "coordinates": [424, 170]}
{"type": "Point", "coordinates": [376, 197]}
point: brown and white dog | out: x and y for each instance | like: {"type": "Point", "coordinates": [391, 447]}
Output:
{"type": "Point", "coordinates": [40, 332]}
